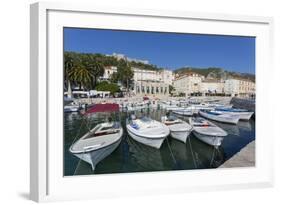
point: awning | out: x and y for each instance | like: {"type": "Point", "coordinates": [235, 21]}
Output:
{"type": "Point", "coordinates": [108, 107]}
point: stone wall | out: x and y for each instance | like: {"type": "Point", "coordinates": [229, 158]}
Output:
{"type": "Point", "coordinates": [249, 104]}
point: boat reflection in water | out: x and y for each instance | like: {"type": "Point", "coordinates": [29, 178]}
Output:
{"type": "Point", "coordinates": [229, 128]}
{"type": "Point", "coordinates": [144, 157]}
{"type": "Point", "coordinates": [245, 125]}
{"type": "Point", "coordinates": [206, 156]}
{"type": "Point", "coordinates": [132, 156]}
{"type": "Point", "coordinates": [195, 154]}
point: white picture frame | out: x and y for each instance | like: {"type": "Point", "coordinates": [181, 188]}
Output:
{"type": "Point", "coordinates": [46, 179]}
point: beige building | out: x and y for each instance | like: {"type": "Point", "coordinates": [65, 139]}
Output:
{"type": "Point", "coordinates": [188, 84]}
{"type": "Point", "coordinates": [211, 86]}
{"type": "Point", "coordinates": [108, 71]}
{"type": "Point", "coordinates": [151, 88]}
{"type": "Point", "coordinates": [146, 82]}
{"type": "Point", "coordinates": [240, 87]}
{"type": "Point", "coordinates": [165, 76]}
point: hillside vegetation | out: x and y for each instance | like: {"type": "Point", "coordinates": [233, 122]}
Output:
{"type": "Point", "coordinates": [213, 72]}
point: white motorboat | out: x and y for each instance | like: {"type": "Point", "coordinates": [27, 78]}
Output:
{"type": "Point", "coordinates": [197, 108]}
{"type": "Point", "coordinates": [179, 129]}
{"type": "Point", "coordinates": [207, 132]}
{"type": "Point", "coordinates": [173, 107]}
{"type": "Point", "coordinates": [136, 106]}
{"type": "Point", "coordinates": [147, 131]}
{"type": "Point", "coordinates": [217, 105]}
{"type": "Point", "coordinates": [72, 107]}
{"type": "Point", "coordinates": [169, 105]}
{"type": "Point", "coordinates": [184, 112]}
{"type": "Point", "coordinates": [100, 141]}
{"type": "Point", "coordinates": [220, 116]}
{"type": "Point", "coordinates": [242, 113]}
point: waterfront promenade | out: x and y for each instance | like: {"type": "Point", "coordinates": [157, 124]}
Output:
{"type": "Point", "coordinates": [244, 158]}
{"type": "Point", "coordinates": [137, 99]}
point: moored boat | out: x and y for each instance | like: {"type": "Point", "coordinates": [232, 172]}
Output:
{"type": "Point", "coordinates": [147, 131]}
{"type": "Point", "coordinates": [184, 112]}
{"type": "Point", "coordinates": [207, 132]}
{"type": "Point", "coordinates": [72, 107]}
{"type": "Point", "coordinates": [242, 113]}
{"type": "Point", "coordinates": [100, 141]}
{"type": "Point", "coordinates": [219, 116]}
{"type": "Point", "coordinates": [179, 129]}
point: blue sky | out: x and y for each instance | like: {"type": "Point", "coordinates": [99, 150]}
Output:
{"type": "Point", "coordinates": [168, 50]}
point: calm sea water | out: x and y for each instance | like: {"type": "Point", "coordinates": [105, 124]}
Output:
{"type": "Point", "coordinates": [132, 156]}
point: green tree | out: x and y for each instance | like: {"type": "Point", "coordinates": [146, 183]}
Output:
{"type": "Point", "coordinates": [114, 78]}
{"type": "Point", "coordinates": [81, 74]}
{"type": "Point", "coordinates": [68, 66]}
{"type": "Point", "coordinates": [95, 65]}
{"type": "Point", "coordinates": [171, 89]}
{"type": "Point", "coordinates": [106, 86]}
{"type": "Point", "coordinates": [125, 73]}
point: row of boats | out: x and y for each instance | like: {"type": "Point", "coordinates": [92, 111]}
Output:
{"type": "Point", "coordinates": [104, 138]}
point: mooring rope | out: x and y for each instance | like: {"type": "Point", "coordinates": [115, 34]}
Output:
{"type": "Point", "coordinates": [77, 166]}
{"type": "Point", "coordinates": [191, 150]}
{"type": "Point", "coordinates": [74, 140]}
{"type": "Point", "coordinates": [171, 152]}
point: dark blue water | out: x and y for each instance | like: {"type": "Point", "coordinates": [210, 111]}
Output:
{"type": "Point", "coordinates": [132, 156]}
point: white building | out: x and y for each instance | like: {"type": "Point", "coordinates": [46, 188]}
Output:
{"type": "Point", "coordinates": [165, 76]}
{"type": "Point", "coordinates": [146, 82]}
{"type": "Point", "coordinates": [108, 71]}
{"type": "Point", "coordinates": [239, 87]}
{"type": "Point", "coordinates": [119, 56]}
{"type": "Point", "coordinates": [188, 84]}
{"type": "Point", "coordinates": [151, 88]}
{"type": "Point", "coordinates": [168, 76]}
{"type": "Point", "coordinates": [212, 86]}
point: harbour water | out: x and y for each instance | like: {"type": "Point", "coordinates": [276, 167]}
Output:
{"type": "Point", "coordinates": [132, 156]}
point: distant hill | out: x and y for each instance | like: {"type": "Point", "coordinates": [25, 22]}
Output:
{"type": "Point", "coordinates": [213, 72]}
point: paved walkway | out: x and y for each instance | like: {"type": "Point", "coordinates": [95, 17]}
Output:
{"type": "Point", "coordinates": [244, 158]}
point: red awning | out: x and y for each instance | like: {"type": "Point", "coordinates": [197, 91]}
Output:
{"type": "Point", "coordinates": [108, 107]}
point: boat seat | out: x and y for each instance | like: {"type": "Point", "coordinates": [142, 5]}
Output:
{"type": "Point", "coordinates": [102, 133]}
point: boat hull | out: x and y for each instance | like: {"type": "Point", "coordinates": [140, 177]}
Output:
{"type": "Point", "coordinates": [242, 115]}
{"type": "Point", "coordinates": [180, 135]}
{"type": "Point", "coordinates": [95, 156]}
{"type": "Point", "coordinates": [221, 118]}
{"type": "Point", "coordinates": [183, 112]}
{"type": "Point", "coordinates": [73, 109]}
{"type": "Point", "coordinates": [152, 142]}
{"type": "Point", "coordinates": [209, 139]}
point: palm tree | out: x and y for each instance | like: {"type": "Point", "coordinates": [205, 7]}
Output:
{"type": "Point", "coordinates": [68, 66]}
{"type": "Point", "coordinates": [81, 74]}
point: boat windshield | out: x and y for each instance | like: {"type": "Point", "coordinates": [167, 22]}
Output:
{"type": "Point", "coordinates": [171, 118]}
{"type": "Point", "coordinates": [200, 122]}
{"type": "Point", "coordinates": [145, 119]}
